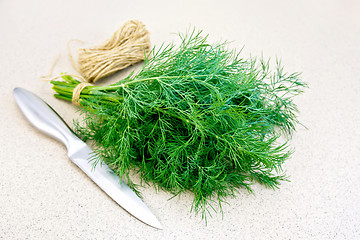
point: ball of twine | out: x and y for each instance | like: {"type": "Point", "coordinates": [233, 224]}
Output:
{"type": "Point", "coordinates": [128, 45]}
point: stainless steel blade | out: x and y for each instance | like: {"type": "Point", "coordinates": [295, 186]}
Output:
{"type": "Point", "coordinates": [44, 118]}
{"type": "Point", "coordinates": [113, 186]}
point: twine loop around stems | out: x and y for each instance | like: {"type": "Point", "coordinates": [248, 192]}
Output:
{"type": "Point", "coordinates": [77, 91]}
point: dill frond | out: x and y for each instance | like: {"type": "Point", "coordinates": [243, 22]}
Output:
{"type": "Point", "coordinates": [196, 118]}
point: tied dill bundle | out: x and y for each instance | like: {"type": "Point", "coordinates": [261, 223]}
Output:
{"type": "Point", "coordinates": [196, 117]}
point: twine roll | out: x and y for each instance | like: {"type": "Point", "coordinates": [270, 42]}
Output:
{"type": "Point", "coordinates": [129, 45]}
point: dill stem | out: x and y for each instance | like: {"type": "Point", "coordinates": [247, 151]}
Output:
{"type": "Point", "coordinates": [117, 85]}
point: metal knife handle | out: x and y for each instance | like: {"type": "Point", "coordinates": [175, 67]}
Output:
{"type": "Point", "coordinates": [43, 117]}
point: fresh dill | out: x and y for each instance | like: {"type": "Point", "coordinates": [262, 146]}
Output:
{"type": "Point", "coordinates": [197, 117]}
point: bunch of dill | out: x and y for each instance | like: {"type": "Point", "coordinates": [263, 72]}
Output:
{"type": "Point", "coordinates": [196, 117]}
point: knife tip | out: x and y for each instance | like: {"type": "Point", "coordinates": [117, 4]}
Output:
{"type": "Point", "coordinates": [157, 225]}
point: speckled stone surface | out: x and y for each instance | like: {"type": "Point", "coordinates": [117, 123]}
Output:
{"type": "Point", "coordinates": [44, 196]}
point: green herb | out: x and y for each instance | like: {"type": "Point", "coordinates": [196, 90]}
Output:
{"type": "Point", "coordinates": [196, 118]}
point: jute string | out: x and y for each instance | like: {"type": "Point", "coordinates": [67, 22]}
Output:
{"type": "Point", "coordinates": [77, 91]}
{"type": "Point", "coordinates": [129, 45]}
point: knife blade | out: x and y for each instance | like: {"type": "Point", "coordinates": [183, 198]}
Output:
{"type": "Point", "coordinates": [46, 119]}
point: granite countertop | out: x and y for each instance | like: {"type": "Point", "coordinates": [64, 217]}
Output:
{"type": "Point", "coordinates": [44, 195]}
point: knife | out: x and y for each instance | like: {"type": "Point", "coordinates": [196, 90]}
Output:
{"type": "Point", "coordinates": [44, 118]}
